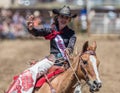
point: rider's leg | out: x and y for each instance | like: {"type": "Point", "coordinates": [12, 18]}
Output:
{"type": "Point", "coordinates": [26, 81]}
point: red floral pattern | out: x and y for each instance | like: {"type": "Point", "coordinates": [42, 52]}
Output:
{"type": "Point", "coordinates": [15, 87]}
{"type": "Point", "coordinates": [27, 80]}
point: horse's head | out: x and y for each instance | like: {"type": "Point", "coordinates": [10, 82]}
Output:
{"type": "Point", "coordinates": [89, 66]}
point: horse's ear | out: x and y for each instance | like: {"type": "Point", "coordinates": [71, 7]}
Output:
{"type": "Point", "coordinates": [85, 46]}
{"type": "Point", "coordinates": [94, 45]}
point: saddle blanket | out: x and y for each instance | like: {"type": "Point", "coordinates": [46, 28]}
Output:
{"type": "Point", "coordinates": [42, 80]}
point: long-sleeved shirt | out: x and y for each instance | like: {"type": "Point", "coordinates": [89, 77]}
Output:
{"type": "Point", "coordinates": [68, 36]}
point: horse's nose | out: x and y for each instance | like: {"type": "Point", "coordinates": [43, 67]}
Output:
{"type": "Point", "coordinates": [98, 84]}
{"type": "Point", "coordinates": [93, 88]}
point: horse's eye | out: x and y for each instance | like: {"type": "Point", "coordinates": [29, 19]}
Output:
{"type": "Point", "coordinates": [84, 62]}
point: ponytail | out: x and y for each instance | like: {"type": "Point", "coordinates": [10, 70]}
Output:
{"type": "Point", "coordinates": [55, 19]}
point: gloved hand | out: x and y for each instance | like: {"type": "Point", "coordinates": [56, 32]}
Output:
{"type": "Point", "coordinates": [30, 22]}
{"type": "Point", "coordinates": [68, 51]}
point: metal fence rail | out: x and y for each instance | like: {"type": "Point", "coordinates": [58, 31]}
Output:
{"type": "Point", "coordinates": [102, 24]}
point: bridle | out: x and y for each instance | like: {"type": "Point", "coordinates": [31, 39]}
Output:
{"type": "Point", "coordinates": [84, 62]}
{"type": "Point", "coordinates": [81, 62]}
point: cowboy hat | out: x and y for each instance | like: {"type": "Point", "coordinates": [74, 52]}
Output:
{"type": "Point", "coordinates": [65, 11]}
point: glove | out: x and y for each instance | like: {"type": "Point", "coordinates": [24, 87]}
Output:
{"type": "Point", "coordinates": [30, 22]}
{"type": "Point", "coordinates": [68, 51]}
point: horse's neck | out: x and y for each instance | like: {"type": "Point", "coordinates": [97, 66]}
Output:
{"type": "Point", "coordinates": [70, 79]}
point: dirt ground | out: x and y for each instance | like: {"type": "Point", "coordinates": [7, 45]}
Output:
{"type": "Point", "coordinates": [15, 55]}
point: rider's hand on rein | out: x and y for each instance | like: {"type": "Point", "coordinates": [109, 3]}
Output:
{"type": "Point", "coordinates": [67, 51]}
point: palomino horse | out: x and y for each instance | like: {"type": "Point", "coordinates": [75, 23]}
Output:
{"type": "Point", "coordinates": [85, 67]}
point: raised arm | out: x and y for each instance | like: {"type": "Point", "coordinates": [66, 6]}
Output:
{"type": "Point", "coordinates": [37, 31]}
{"type": "Point", "coordinates": [40, 32]}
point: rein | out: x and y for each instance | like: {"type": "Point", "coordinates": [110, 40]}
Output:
{"type": "Point", "coordinates": [51, 87]}
{"type": "Point", "coordinates": [74, 71]}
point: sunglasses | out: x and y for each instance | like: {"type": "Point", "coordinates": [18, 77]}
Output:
{"type": "Point", "coordinates": [64, 17]}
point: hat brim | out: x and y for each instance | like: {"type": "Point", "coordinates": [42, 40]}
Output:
{"type": "Point", "coordinates": [56, 11]}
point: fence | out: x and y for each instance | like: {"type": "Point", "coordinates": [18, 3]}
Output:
{"type": "Point", "coordinates": [101, 23]}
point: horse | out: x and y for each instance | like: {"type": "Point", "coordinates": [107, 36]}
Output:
{"type": "Point", "coordinates": [84, 66]}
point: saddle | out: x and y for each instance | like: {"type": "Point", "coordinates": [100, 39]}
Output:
{"type": "Point", "coordinates": [53, 72]}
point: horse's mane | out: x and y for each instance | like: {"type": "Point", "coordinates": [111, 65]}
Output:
{"type": "Point", "coordinates": [85, 46]}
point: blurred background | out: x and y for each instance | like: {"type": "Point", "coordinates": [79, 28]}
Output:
{"type": "Point", "coordinates": [96, 20]}
{"type": "Point", "coordinates": [99, 17]}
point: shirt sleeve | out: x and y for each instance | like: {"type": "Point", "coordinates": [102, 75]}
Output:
{"type": "Point", "coordinates": [72, 42]}
{"type": "Point", "coordinates": [40, 31]}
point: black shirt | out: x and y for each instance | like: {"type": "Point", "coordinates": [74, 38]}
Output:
{"type": "Point", "coordinates": [68, 36]}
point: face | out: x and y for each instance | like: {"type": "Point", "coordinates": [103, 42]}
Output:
{"type": "Point", "coordinates": [63, 21]}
